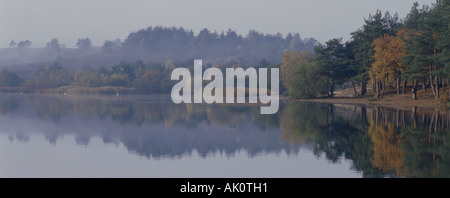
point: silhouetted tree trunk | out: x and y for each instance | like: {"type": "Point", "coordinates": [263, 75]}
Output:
{"type": "Point", "coordinates": [363, 88]}
{"type": "Point", "coordinates": [363, 114]}
{"type": "Point", "coordinates": [448, 83]}
{"type": "Point", "coordinates": [414, 90]}
{"type": "Point", "coordinates": [431, 83]}
{"type": "Point", "coordinates": [354, 88]}
{"type": "Point", "coordinates": [437, 86]}
{"type": "Point", "coordinates": [332, 90]}
{"type": "Point", "coordinates": [436, 121]}
{"type": "Point", "coordinates": [377, 89]}
{"type": "Point", "coordinates": [397, 118]}
{"type": "Point", "coordinates": [404, 86]}
{"type": "Point", "coordinates": [424, 84]}
{"type": "Point", "coordinates": [414, 116]}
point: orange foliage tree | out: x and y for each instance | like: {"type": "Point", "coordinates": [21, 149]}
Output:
{"type": "Point", "coordinates": [387, 67]}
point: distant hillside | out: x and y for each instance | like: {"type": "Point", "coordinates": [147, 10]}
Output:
{"type": "Point", "coordinates": [157, 45]}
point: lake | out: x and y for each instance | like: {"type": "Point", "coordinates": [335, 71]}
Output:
{"type": "Point", "coordinates": [150, 136]}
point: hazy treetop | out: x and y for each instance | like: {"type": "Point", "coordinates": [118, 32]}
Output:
{"type": "Point", "coordinates": [100, 20]}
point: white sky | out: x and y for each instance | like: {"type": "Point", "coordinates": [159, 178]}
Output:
{"type": "Point", "coordinates": [41, 20]}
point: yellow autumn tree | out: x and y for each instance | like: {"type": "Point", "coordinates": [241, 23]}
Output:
{"type": "Point", "coordinates": [387, 66]}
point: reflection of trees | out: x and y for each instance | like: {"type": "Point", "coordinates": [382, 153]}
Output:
{"type": "Point", "coordinates": [126, 110]}
{"type": "Point", "coordinates": [387, 154]}
{"type": "Point", "coordinates": [8, 104]}
{"type": "Point", "coordinates": [331, 134]}
{"type": "Point", "coordinates": [303, 122]}
{"type": "Point", "coordinates": [428, 146]}
{"type": "Point", "coordinates": [153, 126]}
{"type": "Point", "coordinates": [54, 109]}
{"type": "Point", "coordinates": [424, 143]}
{"type": "Point", "coordinates": [381, 142]}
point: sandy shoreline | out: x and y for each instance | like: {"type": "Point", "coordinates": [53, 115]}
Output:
{"type": "Point", "coordinates": [426, 100]}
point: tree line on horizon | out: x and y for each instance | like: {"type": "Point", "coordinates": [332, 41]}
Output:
{"type": "Point", "coordinates": [159, 44]}
{"type": "Point", "coordinates": [143, 61]}
{"type": "Point", "coordinates": [130, 77]}
{"type": "Point", "coordinates": [385, 52]}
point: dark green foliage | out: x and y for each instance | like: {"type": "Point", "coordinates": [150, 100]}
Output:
{"type": "Point", "coordinates": [9, 79]}
{"type": "Point", "coordinates": [112, 46]}
{"type": "Point", "coordinates": [375, 26]}
{"type": "Point", "coordinates": [334, 60]}
{"type": "Point", "coordinates": [178, 42]}
{"type": "Point", "coordinates": [51, 77]}
{"type": "Point", "coordinates": [53, 46]}
{"type": "Point", "coordinates": [444, 41]}
{"type": "Point", "coordinates": [24, 44]}
{"type": "Point", "coordinates": [308, 81]}
{"type": "Point", "coordinates": [415, 17]}
{"type": "Point", "coordinates": [331, 135]}
{"type": "Point", "coordinates": [143, 78]}
{"type": "Point", "coordinates": [12, 43]}
{"type": "Point", "coordinates": [428, 44]}
{"type": "Point", "coordinates": [91, 77]}
{"type": "Point", "coordinates": [148, 81]}
{"type": "Point", "coordinates": [84, 44]}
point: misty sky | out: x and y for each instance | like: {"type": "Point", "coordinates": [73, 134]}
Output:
{"type": "Point", "coordinates": [40, 21]}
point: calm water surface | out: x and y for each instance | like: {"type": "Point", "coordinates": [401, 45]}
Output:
{"type": "Point", "coordinates": [149, 136]}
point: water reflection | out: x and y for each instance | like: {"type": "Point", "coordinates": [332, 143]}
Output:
{"type": "Point", "coordinates": [151, 126]}
{"type": "Point", "coordinates": [379, 141]}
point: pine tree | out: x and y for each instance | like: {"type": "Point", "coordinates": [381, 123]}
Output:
{"type": "Point", "coordinates": [425, 59]}
{"type": "Point", "coordinates": [333, 59]}
{"type": "Point", "coordinates": [444, 40]}
{"type": "Point", "coordinates": [362, 39]}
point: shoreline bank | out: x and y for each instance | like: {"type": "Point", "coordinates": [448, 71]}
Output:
{"type": "Point", "coordinates": [397, 101]}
